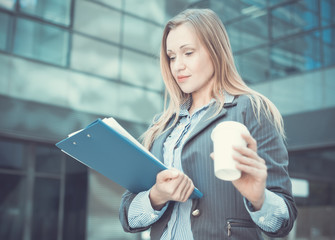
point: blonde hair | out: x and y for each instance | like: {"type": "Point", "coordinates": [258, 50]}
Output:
{"type": "Point", "coordinates": [214, 38]}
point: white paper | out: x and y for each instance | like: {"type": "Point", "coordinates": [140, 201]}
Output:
{"type": "Point", "coordinates": [117, 127]}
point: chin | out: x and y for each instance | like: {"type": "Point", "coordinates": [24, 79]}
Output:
{"type": "Point", "coordinates": [186, 90]}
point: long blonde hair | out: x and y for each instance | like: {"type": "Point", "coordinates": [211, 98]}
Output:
{"type": "Point", "coordinates": [213, 36]}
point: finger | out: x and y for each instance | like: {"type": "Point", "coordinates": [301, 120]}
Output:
{"type": "Point", "coordinates": [189, 191]}
{"type": "Point", "coordinates": [252, 170]}
{"type": "Point", "coordinates": [247, 152]}
{"type": "Point", "coordinates": [212, 155]}
{"type": "Point", "coordinates": [167, 174]}
{"type": "Point", "coordinates": [170, 186]}
{"type": "Point", "coordinates": [185, 193]}
{"type": "Point", "coordinates": [251, 142]}
{"type": "Point", "coordinates": [181, 188]}
{"type": "Point", "coordinates": [249, 161]}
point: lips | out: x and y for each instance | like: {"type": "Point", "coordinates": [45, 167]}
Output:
{"type": "Point", "coordinates": [182, 78]}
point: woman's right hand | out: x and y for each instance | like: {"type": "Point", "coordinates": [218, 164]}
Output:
{"type": "Point", "coordinates": [171, 185]}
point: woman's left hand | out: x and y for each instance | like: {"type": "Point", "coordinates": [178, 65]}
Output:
{"type": "Point", "coordinates": [254, 173]}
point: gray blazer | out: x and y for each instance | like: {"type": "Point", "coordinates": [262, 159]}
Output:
{"type": "Point", "coordinates": [222, 204]}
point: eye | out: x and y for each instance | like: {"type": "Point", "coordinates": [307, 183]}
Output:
{"type": "Point", "coordinates": [172, 58]}
{"type": "Point", "coordinates": [188, 53]}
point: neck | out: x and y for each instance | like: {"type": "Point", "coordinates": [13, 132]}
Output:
{"type": "Point", "coordinates": [198, 103]}
{"type": "Point", "coordinates": [201, 97]}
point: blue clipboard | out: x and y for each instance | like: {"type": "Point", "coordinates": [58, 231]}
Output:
{"type": "Point", "coordinates": [108, 152]}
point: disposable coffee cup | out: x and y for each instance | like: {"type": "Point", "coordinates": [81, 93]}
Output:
{"type": "Point", "coordinates": [224, 136]}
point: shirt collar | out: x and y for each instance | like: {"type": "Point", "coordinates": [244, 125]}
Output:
{"type": "Point", "coordinates": [185, 106]}
{"type": "Point", "coordinates": [228, 98]}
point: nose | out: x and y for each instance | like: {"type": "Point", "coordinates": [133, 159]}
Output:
{"type": "Point", "coordinates": [179, 64]}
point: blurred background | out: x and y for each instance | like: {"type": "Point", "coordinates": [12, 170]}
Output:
{"type": "Point", "coordinates": [64, 63]}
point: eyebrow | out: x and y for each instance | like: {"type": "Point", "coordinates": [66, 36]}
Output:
{"type": "Point", "coordinates": [181, 47]}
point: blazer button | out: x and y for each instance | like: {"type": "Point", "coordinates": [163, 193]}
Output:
{"type": "Point", "coordinates": [196, 213]}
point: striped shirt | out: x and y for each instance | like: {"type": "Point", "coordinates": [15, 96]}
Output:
{"type": "Point", "coordinates": [270, 218]}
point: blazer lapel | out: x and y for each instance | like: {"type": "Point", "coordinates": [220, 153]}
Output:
{"type": "Point", "coordinates": [207, 119]}
{"type": "Point", "coordinates": [157, 148]}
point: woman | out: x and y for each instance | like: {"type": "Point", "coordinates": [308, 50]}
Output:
{"type": "Point", "coordinates": [204, 89]}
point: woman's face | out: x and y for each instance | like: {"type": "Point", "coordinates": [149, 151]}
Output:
{"type": "Point", "coordinates": [190, 63]}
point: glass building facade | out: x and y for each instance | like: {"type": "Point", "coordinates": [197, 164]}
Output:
{"type": "Point", "coordinates": [64, 63]}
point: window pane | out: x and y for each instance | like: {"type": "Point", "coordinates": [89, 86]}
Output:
{"type": "Point", "coordinates": [249, 32]}
{"type": "Point", "coordinates": [296, 55]}
{"type": "Point", "coordinates": [254, 66]}
{"type": "Point", "coordinates": [252, 8]}
{"type": "Point", "coordinates": [142, 35]}
{"type": "Point", "coordinates": [40, 41]}
{"type": "Point", "coordinates": [48, 159]}
{"type": "Point", "coordinates": [11, 155]}
{"type": "Point", "coordinates": [45, 209]}
{"type": "Point", "coordinates": [12, 200]}
{"type": "Point", "coordinates": [152, 9]}
{"type": "Point", "coordinates": [95, 57]}
{"type": "Point", "coordinates": [252, 3]}
{"type": "Point", "coordinates": [275, 2]}
{"type": "Point", "coordinates": [146, 74]}
{"type": "Point", "coordinates": [57, 11]}
{"type": "Point", "coordinates": [4, 25]}
{"type": "Point", "coordinates": [327, 12]}
{"type": "Point", "coordinates": [329, 88]}
{"type": "Point", "coordinates": [113, 3]}
{"type": "Point", "coordinates": [9, 4]}
{"type": "Point", "coordinates": [96, 20]}
{"type": "Point", "coordinates": [103, 219]}
{"type": "Point", "coordinates": [87, 92]}
{"type": "Point", "coordinates": [294, 18]}
{"type": "Point", "coordinates": [315, 164]}
{"type": "Point", "coordinates": [226, 11]}
{"type": "Point", "coordinates": [75, 201]}
{"type": "Point", "coordinates": [328, 37]}
{"type": "Point", "coordinates": [139, 104]}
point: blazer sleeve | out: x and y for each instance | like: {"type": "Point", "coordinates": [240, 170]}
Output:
{"type": "Point", "coordinates": [272, 149]}
{"type": "Point", "coordinates": [126, 200]}
{"type": "Point", "coordinates": [128, 197]}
